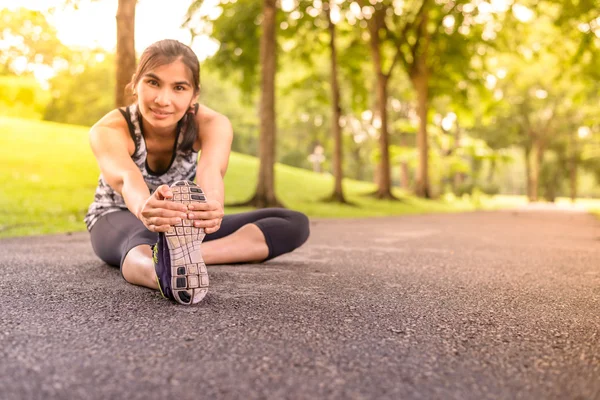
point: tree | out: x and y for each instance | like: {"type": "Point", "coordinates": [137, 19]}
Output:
{"type": "Point", "coordinates": [435, 44]}
{"type": "Point", "coordinates": [125, 59]}
{"type": "Point", "coordinates": [237, 29]}
{"type": "Point", "coordinates": [265, 189]}
{"type": "Point", "coordinates": [336, 112]}
{"type": "Point", "coordinates": [541, 99]}
{"type": "Point", "coordinates": [83, 92]}
{"type": "Point", "coordinates": [27, 41]}
{"type": "Point", "coordinates": [377, 25]}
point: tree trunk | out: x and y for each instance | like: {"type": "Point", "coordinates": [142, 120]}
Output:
{"type": "Point", "coordinates": [404, 176]}
{"type": "Point", "coordinates": [359, 171]}
{"type": "Point", "coordinates": [573, 180]}
{"type": "Point", "coordinates": [536, 155]}
{"type": "Point", "coordinates": [458, 176]}
{"type": "Point", "coordinates": [265, 191]}
{"type": "Point", "coordinates": [336, 131]}
{"type": "Point", "coordinates": [420, 80]}
{"type": "Point", "coordinates": [492, 171]}
{"type": "Point", "coordinates": [384, 181]}
{"type": "Point", "coordinates": [404, 172]}
{"type": "Point", "coordinates": [573, 167]}
{"type": "Point", "coordinates": [527, 151]}
{"type": "Point", "coordinates": [125, 58]}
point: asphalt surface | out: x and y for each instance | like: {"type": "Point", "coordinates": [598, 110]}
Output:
{"type": "Point", "coordinates": [486, 305]}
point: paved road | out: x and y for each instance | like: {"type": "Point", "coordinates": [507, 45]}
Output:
{"type": "Point", "coordinates": [486, 305]}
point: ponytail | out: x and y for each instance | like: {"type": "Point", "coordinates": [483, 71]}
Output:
{"type": "Point", "coordinates": [190, 130]}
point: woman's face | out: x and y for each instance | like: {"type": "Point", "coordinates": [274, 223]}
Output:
{"type": "Point", "coordinates": [165, 94]}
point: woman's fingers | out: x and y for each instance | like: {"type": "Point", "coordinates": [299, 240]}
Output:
{"type": "Point", "coordinates": [204, 215]}
{"type": "Point", "coordinates": [161, 213]}
{"type": "Point", "coordinates": [171, 205]}
{"type": "Point", "coordinates": [167, 205]}
{"type": "Point", "coordinates": [210, 205]}
{"type": "Point", "coordinates": [207, 223]}
{"type": "Point", "coordinates": [163, 192]}
{"type": "Point", "coordinates": [159, 228]}
{"type": "Point", "coordinates": [165, 209]}
{"type": "Point", "coordinates": [160, 221]}
{"type": "Point", "coordinates": [214, 228]}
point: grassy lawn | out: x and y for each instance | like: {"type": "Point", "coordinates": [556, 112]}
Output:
{"type": "Point", "coordinates": [49, 174]}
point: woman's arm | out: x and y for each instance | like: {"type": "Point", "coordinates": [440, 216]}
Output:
{"type": "Point", "coordinates": [110, 142]}
{"type": "Point", "coordinates": [215, 134]}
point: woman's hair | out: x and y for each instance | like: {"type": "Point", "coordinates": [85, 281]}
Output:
{"type": "Point", "coordinates": [165, 52]}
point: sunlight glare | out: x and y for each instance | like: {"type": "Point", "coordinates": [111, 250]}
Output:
{"type": "Point", "coordinates": [583, 132]}
{"type": "Point", "coordinates": [398, 6]}
{"type": "Point", "coordinates": [355, 9]}
{"type": "Point", "coordinates": [541, 94]}
{"type": "Point", "coordinates": [93, 24]}
{"type": "Point", "coordinates": [335, 15]}
{"type": "Point", "coordinates": [522, 13]}
{"type": "Point", "coordinates": [449, 21]}
{"type": "Point", "coordinates": [288, 5]}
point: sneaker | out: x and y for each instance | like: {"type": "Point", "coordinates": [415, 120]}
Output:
{"type": "Point", "coordinates": [180, 269]}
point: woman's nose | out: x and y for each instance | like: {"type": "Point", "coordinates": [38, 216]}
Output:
{"type": "Point", "coordinates": [162, 98]}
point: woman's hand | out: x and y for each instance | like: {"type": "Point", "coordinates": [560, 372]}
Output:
{"type": "Point", "coordinates": [158, 213]}
{"type": "Point", "coordinates": [206, 215]}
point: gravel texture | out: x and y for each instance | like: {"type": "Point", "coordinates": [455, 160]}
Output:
{"type": "Point", "coordinates": [485, 305]}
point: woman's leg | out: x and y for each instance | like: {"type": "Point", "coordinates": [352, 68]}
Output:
{"type": "Point", "coordinates": [256, 236]}
{"type": "Point", "coordinates": [120, 239]}
{"type": "Point", "coordinates": [247, 237]}
{"type": "Point", "coordinates": [138, 267]}
{"type": "Point", "coordinates": [247, 244]}
{"type": "Point", "coordinates": [252, 236]}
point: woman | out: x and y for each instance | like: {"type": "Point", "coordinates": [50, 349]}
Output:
{"type": "Point", "coordinates": [148, 217]}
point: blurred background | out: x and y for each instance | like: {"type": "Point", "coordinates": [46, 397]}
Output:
{"type": "Point", "coordinates": [381, 107]}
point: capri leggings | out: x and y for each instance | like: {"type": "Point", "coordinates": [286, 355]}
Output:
{"type": "Point", "coordinates": [115, 233]}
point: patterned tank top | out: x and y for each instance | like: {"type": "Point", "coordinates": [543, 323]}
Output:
{"type": "Point", "coordinates": [182, 167]}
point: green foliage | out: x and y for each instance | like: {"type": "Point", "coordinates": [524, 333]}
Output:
{"type": "Point", "coordinates": [238, 31]}
{"type": "Point", "coordinates": [82, 94]}
{"type": "Point", "coordinates": [64, 151]}
{"type": "Point", "coordinates": [578, 21]}
{"type": "Point", "coordinates": [552, 176]}
{"type": "Point", "coordinates": [225, 97]}
{"type": "Point", "coordinates": [22, 96]}
{"type": "Point", "coordinates": [28, 39]}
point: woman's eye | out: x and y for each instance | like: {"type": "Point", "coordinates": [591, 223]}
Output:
{"type": "Point", "coordinates": [179, 88]}
{"type": "Point", "coordinates": [152, 82]}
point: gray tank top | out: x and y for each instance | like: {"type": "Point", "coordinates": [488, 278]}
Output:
{"type": "Point", "coordinates": [182, 167]}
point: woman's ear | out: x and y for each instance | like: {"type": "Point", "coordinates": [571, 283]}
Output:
{"type": "Point", "coordinates": [194, 100]}
{"type": "Point", "coordinates": [132, 85]}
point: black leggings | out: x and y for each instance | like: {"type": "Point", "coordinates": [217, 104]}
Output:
{"type": "Point", "coordinates": [115, 233]}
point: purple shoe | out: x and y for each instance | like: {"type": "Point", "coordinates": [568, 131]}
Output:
{"type": "Point", "coordinates": [180, 269]}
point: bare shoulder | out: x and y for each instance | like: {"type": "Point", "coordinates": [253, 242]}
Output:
{"type": "Point", "coordinates": [112, 127]}
{"type": "Point", "coordinates": [207, 118]}
{"type": "Point", "coordinates": [113, 120]}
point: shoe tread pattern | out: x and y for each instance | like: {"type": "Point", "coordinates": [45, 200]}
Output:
{"type": "Point", "coordinates": [188, 271]}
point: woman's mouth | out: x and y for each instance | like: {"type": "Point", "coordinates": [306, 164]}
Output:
{"type": "Point", "coordinates": [160, 114]}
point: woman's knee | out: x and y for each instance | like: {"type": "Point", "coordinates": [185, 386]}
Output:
{"type": "Point", "coordinates": [301, 225]}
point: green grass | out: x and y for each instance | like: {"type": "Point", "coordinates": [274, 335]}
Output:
{"type": "Point", "coordinates": [49, 174]}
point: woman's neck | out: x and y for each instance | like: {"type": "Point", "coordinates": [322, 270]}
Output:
{"type": "Point", "coordinates": [158, 133]}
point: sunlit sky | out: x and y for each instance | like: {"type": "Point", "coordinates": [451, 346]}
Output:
{"type": "Point", "coordinates": [94, 24]}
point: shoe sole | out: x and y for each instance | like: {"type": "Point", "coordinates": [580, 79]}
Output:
{"type": "Point", "coordinates": [189, 274]}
